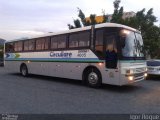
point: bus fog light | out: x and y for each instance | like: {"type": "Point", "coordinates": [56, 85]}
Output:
{"type": "Point", "coordinates": [145, 74]}
{"type": "Point", "coordinates": [100, 64]}
{"type": "Point", "coordinates": [130, 78]}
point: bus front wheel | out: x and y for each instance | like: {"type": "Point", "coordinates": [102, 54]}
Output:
{"type": "Point", "coordinates": [24, 70]}
{"type": "Point", "coordinates": [93, 78]}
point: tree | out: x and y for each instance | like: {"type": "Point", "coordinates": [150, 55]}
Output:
{"type": "Point", "coordinates": [144, 22]}
{"type": "Point", "coordinates": [118, 13]}
{"type": "Point", "coordinates": [82, 21]}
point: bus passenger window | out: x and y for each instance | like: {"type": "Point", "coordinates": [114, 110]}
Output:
{"type": "Point", "coordinates": [26, 45]}
{"type": "Point", "coordinates": [62, 41]}
{"type": "Point", "coordinates": [99, 43]}
{"type": "Point", "coordinates": [42, 44]}
{"type": "Point", "coordinates": [18, 46]}
{"type": "Point", "coordinates": [9, 47]}
{"type": "Point", "coordinates": [38, 45]}
{"type": "Point", "coordinates": [54, 43]}
{"type": "Point", "coordinates": [84, 38]}
{"type": "Point", "coordinates": [58, 41]}
{"type": "Point", "coordinates": [73, 40]}
{"type": "Point", "coordinates": [31, 44]}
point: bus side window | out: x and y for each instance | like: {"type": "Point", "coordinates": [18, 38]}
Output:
{"type": "Point", "coordinates": [31, 45]}
{"type": "Point", "coordinates": [62, 41]}
{"type": "Point", "coordinates": [42, 44]}
{"type": "Point", "coordinates": [80, 39]}
{"type": "Point", "coordinates": [84, 38]}
{"type": "Point", "coordinates": [9, 47]}
{"type": "Point", "coordinates": [18, 47]}
{"type": "Point", "coordinates": [73, 40]}
{"type": "Point", "coordinates": [54, 43]}
{"type": "Point", "coordinates": [26, 45]}
{"type": "Point", "coordinates": [99, 43]}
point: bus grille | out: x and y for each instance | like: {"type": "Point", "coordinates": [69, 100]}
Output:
{"type": "Point", "coordinates": [140, 70]}
{"type": "Point", "coordinates": [139, 76]}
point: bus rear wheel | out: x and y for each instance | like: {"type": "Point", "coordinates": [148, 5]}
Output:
{"type": "Point", "coordinates": [24, 70]}
{"type": "Point", "coordinates": [93, 78]}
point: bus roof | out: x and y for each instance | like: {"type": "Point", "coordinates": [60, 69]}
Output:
{"type": "Point", "coordinates": [79, 29]}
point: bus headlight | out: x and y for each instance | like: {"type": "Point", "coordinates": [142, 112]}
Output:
{"type": "Point", "coordinates": [145, 74]}
{"type": "Point", "coordinates": [130, 78]}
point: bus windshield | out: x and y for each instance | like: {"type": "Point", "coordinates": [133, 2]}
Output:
{"type": "Point", "coordinates": [133, 45]}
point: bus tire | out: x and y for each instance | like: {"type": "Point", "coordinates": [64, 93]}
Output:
{"type": "Point", "coordinates": [24, 70]}
{"type": "Point", "coordinates": [93, 78]}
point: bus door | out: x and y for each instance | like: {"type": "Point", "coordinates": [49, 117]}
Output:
{"type": "Point", "coordinates": [111, 56]}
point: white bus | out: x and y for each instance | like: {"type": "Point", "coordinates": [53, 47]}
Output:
{"type": "Point", "coordinates": [106, 53]}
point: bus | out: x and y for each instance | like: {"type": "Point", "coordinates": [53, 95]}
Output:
{"type": "Point", "coordinates": [107, 53]}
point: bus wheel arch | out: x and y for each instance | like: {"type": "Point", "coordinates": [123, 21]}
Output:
{"type": "Point", "coordinates": [24, 70]}
{"type": "Point", "coordinates": [92, 76]}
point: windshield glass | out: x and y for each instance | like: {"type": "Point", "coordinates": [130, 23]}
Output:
{"type": "Point", "coordinates": [133, 45]}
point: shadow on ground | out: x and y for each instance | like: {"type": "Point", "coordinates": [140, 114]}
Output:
{"type": "Point", "coordinates": [113, 88]}
{"type": "Point", "coordinates": [153, 77]}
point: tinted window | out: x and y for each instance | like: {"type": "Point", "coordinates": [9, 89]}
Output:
{"type": "Point", "coordinates": [42, 44]}
{"type": "Point", "coordinates": [80, 39]}
{"type": "Point", "coordinates": [73, 40]}
{"type": "Point", "coordinates": [84, 38]}
{"type": "Point", "coordinates": [18, 46]}
{"type": "Point", "coordinates": [99, 37]}
{"type": "Point", "coordinates": [9, 47]}
{"type": "Point", "coordinates": [29, 45]}
{"type": "Point", "coordinates": [99, 43]}
{"type": "Point", "coordinates": [58, 41]}
{"type": "Point", "coordinates": [62, 41]}
{"type": "Point", "coordinates": [26, 45]}
{"type": "Point", "coordinates": [54, 43]}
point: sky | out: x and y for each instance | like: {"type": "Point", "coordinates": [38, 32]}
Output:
{"type": "Point", "coordinates": [30, 18]}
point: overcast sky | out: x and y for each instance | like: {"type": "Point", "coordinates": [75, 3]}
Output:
{"type": "Point", "coordinates": [26, 18]}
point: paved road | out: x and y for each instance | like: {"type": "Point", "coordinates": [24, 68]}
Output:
{"type": "Point", "coordinates": [39, 94]}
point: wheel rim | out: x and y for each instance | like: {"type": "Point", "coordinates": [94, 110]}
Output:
{"type": "Point", "coordinates": [24, 71]}
{"type": "Point", "coordinates": [93, 78]}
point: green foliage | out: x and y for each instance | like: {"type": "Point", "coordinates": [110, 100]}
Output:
{"type": "Point", "coordinates": [81, 15]}
{"type": "Point", "coordinates": [143, 22]}
{"type": "Point", "coordinates": [105, 17]}
{"type": "Point", "coordinates": [116, 4]}
{"type": "Point", "coordinates": [77, 23]}
{"type": "Point", "coordinates": [118, 13]}
{"type": "Point", "coordinates": [82, 21]}
{"type": "Point", "coordinates": [92, 18]}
